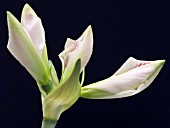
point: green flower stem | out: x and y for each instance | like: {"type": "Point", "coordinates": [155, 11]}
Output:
{"type": "Point", "coordinates": [47, 123]}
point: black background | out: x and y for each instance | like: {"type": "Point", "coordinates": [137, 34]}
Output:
{"type": "Point", "coordinates": [122, 28]}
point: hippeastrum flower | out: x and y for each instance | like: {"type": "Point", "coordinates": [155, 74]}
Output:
{"type": "Point", "coordinates": [81, 48]}
{"type": "Point", "coordinates": [133, 77]}
{"type": "Point", "coordinates": [27, 44]}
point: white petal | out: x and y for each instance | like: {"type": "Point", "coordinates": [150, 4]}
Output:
{"type": "Point", "coordinates": [21, 47]}
{"type": "Point", "coordinates": [32, 23]}
{"type": "Point", "coordinates": [81, 48]}
{"type": "Point", "coordinates": [125, 84]}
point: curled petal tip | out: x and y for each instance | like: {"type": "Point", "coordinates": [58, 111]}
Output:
{"type": "Point", "coordinates": [89, 28]}
{"type": "Point", "coordinates": [27, 8]}
{"type": "Point", "coordinates": [10, 17]}
{"type": "Point", "coordinates": [158, 63]}
{"type": "Point", "coordinates": [88, 32]}
{"type": "Point", "coordinates": [87, 35]}
{"type": "Point", "coordinates": [161, 62]}
{"type": "Point", "coordinates": [8, 13]}
{"type": "Point", "coordinates": [28, 14]}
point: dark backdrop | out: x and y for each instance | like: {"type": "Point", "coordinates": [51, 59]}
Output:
{"type": "Point", "coordinates": [122, 28]}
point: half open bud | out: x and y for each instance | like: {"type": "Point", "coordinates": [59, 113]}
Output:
{"type": "Point", "coordinates": [133, 77]}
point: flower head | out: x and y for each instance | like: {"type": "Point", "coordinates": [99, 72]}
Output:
{"type": "Point", "coordinates": [133, 77]}
{"type": "Point", "coordinates": [27, 43]}
{"type": "Point", "coordinates": [81, 48]}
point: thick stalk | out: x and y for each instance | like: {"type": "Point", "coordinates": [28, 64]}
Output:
{"type": "Point", "coordinates": [46, 123]}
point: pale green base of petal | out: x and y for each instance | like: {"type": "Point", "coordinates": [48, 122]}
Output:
{"type": "Point", "coordinates": [47, 123]}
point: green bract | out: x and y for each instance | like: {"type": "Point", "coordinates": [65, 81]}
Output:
{"type": "Point", "coordinates": [63, 96]}
{"type": "Point", "coordinates": [27, 44]}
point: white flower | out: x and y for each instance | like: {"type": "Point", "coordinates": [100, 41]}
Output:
{"type": "Point", "coordinates": [133, 77]}
{"type": "Point", "coordinates": [77, 49]}
{"type": "Point", "coordinates": [27, 44]}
